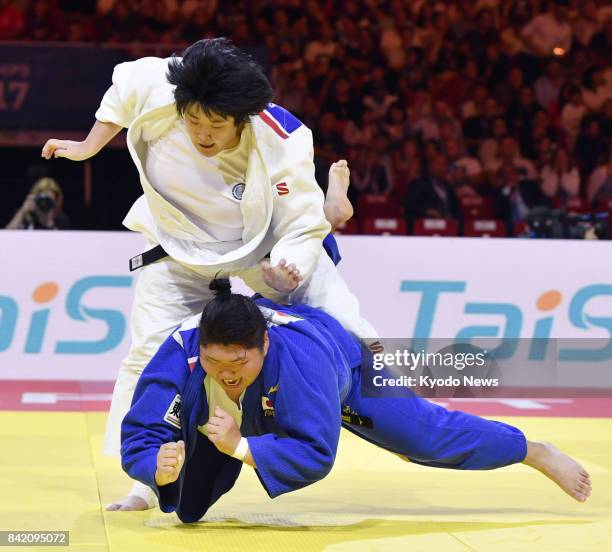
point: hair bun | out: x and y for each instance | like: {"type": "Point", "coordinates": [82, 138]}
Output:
{"type": "Point", "coordinates": [222, 287]}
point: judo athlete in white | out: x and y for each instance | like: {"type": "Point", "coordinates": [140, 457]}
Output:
{"type": "Point", "coordinates": [228, 179]}
{"type": "Point", "coordinates": [270, 386]}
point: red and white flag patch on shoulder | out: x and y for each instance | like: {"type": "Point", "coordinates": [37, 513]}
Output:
{"type": "Point", "coordinates": [282, 188]}
{"type": "Point", "coordinates": [173, 414]}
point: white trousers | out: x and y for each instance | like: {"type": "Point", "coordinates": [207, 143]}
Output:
{"type": "Point", "coordinates": [167, 293]}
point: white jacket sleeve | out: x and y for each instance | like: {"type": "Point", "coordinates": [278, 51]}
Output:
{"type": "Point", "coordinates": [298, 221]}
{"type": "Point", "coordinates": [134, 83]}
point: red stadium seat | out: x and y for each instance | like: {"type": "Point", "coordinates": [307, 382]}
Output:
{"type": "Point", "coordinates": [435, 227]}
{"type": "Point", "coordinates": [476, 207]}
{"type": "Point", "coordinates": [485, 228]}
{"type": "Point", "coordinates": [385, 226]}
{"type": "Point", "coordinates": [520, 229]}
{"type": "Point", "coordinates": [376, 205]}
{"type": "Point", "coordinates": [349, 227]}
{"type": "Point", "coordinates": [604, 205]}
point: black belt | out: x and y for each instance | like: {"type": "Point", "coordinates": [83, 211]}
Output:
{"type": "Point", "coordinates": [147, 257]}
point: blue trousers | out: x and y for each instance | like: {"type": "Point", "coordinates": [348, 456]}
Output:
{"type": "Point", "coordinates": [428, 434]}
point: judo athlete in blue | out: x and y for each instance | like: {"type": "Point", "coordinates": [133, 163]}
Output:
{"type": "Point", "coordinates": [270, 386]}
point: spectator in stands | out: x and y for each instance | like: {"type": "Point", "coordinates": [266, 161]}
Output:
{"type": "Point", "coordinates": [191, 8]}
{"type": "Point", "coordinates": [448, 125]}
{"type": "Point", "coordinates": [342, 101]}
{"type": "Point", "coordinates": [196, 21]}
{"type": "Point", "coordinates": [42, 208]}
{"type": "Point", "coordinates": [42, 21]}
{"type": "Point", "coordinates": [548, 86]}
{"type": "Point", "coordinates": [437, 123]}
{"type": "Point", "coordinates": [600, 182]}
{"type": "Point", "coordinates": [431, 149]}
{"type": "Point", "coordinates": [324, 47]}
{"type": "Point", "coordinates": [601, 43]}
{"type": "Point", "coordinates": [513, 195]}
{"type": "Point", "coordinates": [11, 20]}
{"type": "Point", "coordinates": [395, 127]}
{"type": "Point", "coordinates": [432, 196]}
{"type": "Point", "coordinates": [407, 165]}
{"type": "Point", "coordinates": [157, 21]}
{"type": "Point", "coordinates": [494, 64]}
{"type": "Point", "coordinates": [391, 42]}
{"type": "Point", "coordinates": [480, 126]}
{"type": "Point", "coordinates": [521, 112]}
{"type": "Point", "coordinates": [510, 89]}
{"type": "Point", "coordinates": [596, 90]}
{"type": "Point", "coordinates": [590, 145]}
{"type": "Point", "coordinates": [606, 118]}
{"type": "Point", "coordinates": [509, 155]}
{"type": "Point", "coordinates": [327, 144]}
{"type": "Point", "coordinates": [472, 107]}
{"type": "Point", "coordinates": [379, 100]}
{"type": "Point", "coordinates": [544, 148]}
{"type": "Point", "coordinates": [572, 112]}
{"type": "Point", "coordinates": [548, 32]}
{"type": "Point", "coordinates": [362, 131]}
{"type": "Point", "coordinates": [458, 86]}
{"type": "Point", "coordinates": [484, 31]}
{"type": "Point", "coordinates": [293, 97]}
{"type": "Point", "coordinates": [560, 178]}
{"type": "Point", "coordinates": [585, 24]}
{"type": "Point", "coordinates": [371, 170]}
{"type": "Point", "coordinates": [464, 172]}
{"type": "Point", "coordinates": [121, 24]}
{"type": "Point", "coordinates": [539, 129]}
{"type": "Point", "coordinates": [488, 148]}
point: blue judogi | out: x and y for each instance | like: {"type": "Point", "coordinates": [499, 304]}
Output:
{"type": "Point", "coordinates": [308, 388]}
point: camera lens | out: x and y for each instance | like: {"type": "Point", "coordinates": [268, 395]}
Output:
{"type": "Point", "coordinates": [44, 202]}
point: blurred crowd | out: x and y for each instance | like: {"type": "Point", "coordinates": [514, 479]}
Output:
{"type": "Point", "coordinates": [437, 105]}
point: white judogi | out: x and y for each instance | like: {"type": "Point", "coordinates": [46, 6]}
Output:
{"type": "Point", "coordinates": [186, 209]}
{"type": "Point", "coordinates": [207, 189]}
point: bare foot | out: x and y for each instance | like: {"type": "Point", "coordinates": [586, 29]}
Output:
{"type": "Point", "coordinates": [561, 468]}
{"type": "Point", "coordinates": [282, 277]}
{"type": "Point", "coordinates": [129, 504]}
{"type": "Point", "coordinates": [338, 208]}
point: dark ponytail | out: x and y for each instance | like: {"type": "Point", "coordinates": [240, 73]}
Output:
{"type": "Point", "coordinates": [222, 288]}
{"type": "Point", "coordinates": [231, 318]}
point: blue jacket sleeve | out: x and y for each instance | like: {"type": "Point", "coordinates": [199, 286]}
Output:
{"type": "Point", "coordinates": [307, 410]}
{"type": "Point", "coordinates": [146, 427]}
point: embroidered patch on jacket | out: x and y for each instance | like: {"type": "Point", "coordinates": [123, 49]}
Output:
{"type": "Point", "coordinates": [173, 414]}
{"type": "Point", "coordinates": [238, 190]}
{"type": "Point", "coordinates": [267, 406]}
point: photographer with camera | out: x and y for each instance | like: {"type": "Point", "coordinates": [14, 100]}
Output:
{"type": "Point", "coordinates": [42, 208]}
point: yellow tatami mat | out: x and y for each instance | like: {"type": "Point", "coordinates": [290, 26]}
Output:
{"type": "Point", "coordinates": [54, 477]}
